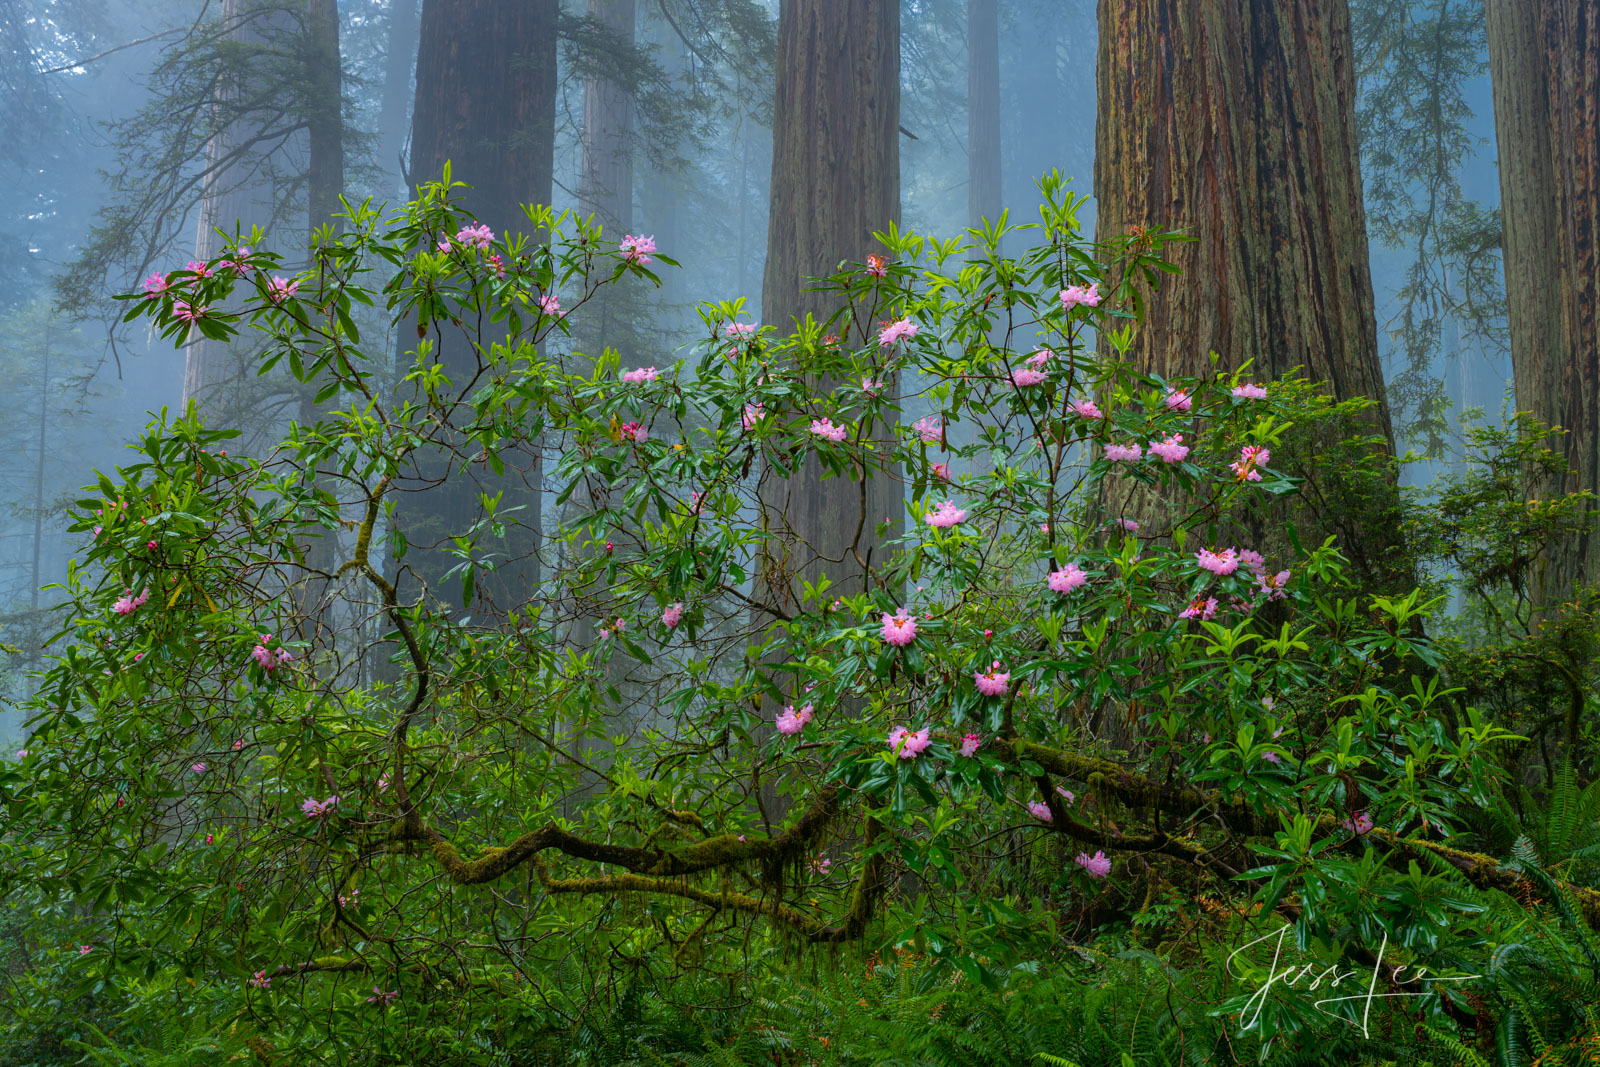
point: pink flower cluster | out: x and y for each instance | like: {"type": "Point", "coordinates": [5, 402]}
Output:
{"type": "Point", "coordinates": [1087, 409]}
{"type": "Point", "coordinates": [1170, 449]}
{"type": "Point", "coordinates": [1041, 811]}
{"type": "Point", "coordinates": [1221, 563]}
{"type": "Point", "coordinates": [1023, 377]}
{"type": "Point", "coordinates": [672, 615]}
{"type": "Point", "coordinates": [1251, 458]}
{"type": "Point", "coordinates": [259, 980]}
{"type": "Point", "coordinates": [821, 865]}
{"type": "Point", "coordinates": [899, 629]}
{"type": "Point", "coordinates": [945, 515]}
{"type": "Point", "coordinates": [825, 429]}
{"type": "Point", "coordinates": [907, 744]}
{"type": "Point", "coordinates": [281, 289]}
{"type": "Point", "coordinates": [791, 720]}
{"type": "Point", "coordinates": [318, 809]}
{"type": "Point", "coordinates": [1359, 824]}
{"type": "Point", "coordinates": [381, 997]}
{"type": "Point", "coordinates": [1074, 295]}
{"type": "Point", "coordinates": [550, 304]}
{"type": "Point", "coordinates": [1179, 400]}
{"type": "Point", "coordinates": [969, 745]}
{"type": "Point", "coordinates": [739, 331]}
{"type": "Point", "coordinates": [636, 250]}
{"type": "Point", "coordinates": [1201, 607]}
{"type": "Point", "coordinates": [127, 604]}
{"type": "Point", "coordinates": [753, 413]}
{"type": "Point", "coordinates": [994, 682]}
{"type": "Point", "coordinates": [633, 431]}
{"type": "Point", "coordinates": [639, 374]}
{"type": "Point", "coordinates": [895, 331]}
{"type": "Point", "coordinates": [930, 429]}
{"type": "Point", "coordinates": [1249, 392]}
{"type": "Point", "coordinates": [269, 659]}
{"type": "Point", "coordinates": [871, 387]}
{"type": "Point", "coordinates": [1067, 579]}
{"type": "Point", "coordinates": [1096, 866]}
{"type": "Point", "coordinates": [1123, 453]}
{"type": "Point", "coordinates": [478, 236]}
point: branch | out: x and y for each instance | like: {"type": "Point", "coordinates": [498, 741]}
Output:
{"type": "Point", "coordinates": [109, 51]}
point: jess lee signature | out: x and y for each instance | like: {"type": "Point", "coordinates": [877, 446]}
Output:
{"type": "Point", "coordinates": [1287, 975]}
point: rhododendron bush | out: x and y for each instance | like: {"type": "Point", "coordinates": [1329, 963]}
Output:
{"type": "Point", "coordinates": [667, 752]}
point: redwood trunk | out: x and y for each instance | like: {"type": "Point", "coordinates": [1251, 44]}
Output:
{"type": "Point", "coordinates": [605, 181]}
{"type": "Point", "coordinates": [394, 118]}
{"type": "Point", "coordinates": [1544, 62]}
{"type": "Point", "coordinates": [835, 180]}
{"type": "Point", "coordinates": [485, 102]}
{"type": "Point", "coordinates": [983, 111]}
{"type": "Point", "coordinates": [1234, 120]}
{"type": "Point", "coordinates": [325, 122]}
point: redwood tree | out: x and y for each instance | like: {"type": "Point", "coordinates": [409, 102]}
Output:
{"type": "Point", "coordinates": [1234, 120]}
{"type": "Point", "coordinates": [983, 110]}
{"type": "Point", "coordinates": [1546, 87]}
{"type": "Point", "coordinates": [835, 180]}
{"type": "Point", "coordinates": [485, 102]}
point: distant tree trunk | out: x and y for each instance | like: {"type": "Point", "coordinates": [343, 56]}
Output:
{"type": "Point", "coordinates": [1546, 90]}
{"type": "Point", "coordinates": [605, 181]}
{"type": "Point", "coordinates": [835, 180]}
{"type": "Point", "coordinates": [983, 111]}
{"type": "Point", "coordinates": [234, 190]}
{"type": "Point", "coordinates": [326, 119]}
{"type": "Point", "coordinates": [485, 101]}
{"type": "Point", "coordinates": [394, 117]}
{"type": "Point", "coordinates": [1235, 120]}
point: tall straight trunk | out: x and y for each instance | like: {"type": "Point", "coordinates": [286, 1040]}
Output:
{"type": "Point", "coordinates": [983, 111]}
{"type": "Point", "coordinates": [235, 190]}
{"type": "Point", "coordinates": [324, 79]}
{"type": "Point", "coordinates": [38, 475]}
{"type": "Point", "coordinates": [605, 179]}
{"type": "Point", "coordinates": [395, 112]}
{"type": "Point", "coordinates": [1545, 77]}
{"type": "Point", "coordinates": [835, 180]}
{"type": "Point", "coordinates": [1234, 119]}
{"type": "Point", "coordinates": [485, 101]}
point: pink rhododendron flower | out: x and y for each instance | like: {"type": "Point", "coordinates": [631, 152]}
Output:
{"type": "Point", "coordinates": [907, 744]}
{"type": "Point", "coordinates": [1023, 377]}
{"type": "Point", "coordinates": [281, 289]}
{"type": "Point", "coordinates": [1038, 360]}
{"type": "Point", "coordinates": [550, 304]}
{"type": "Point", "coordinates": [22, 753]}
{"type": "Point", "coordinates": [182, 309]}
{"type": "Point", "coordinates": [753, 413]}
{"type": "Point", "coordinates": [239, 744]}
{"type": "Point", "coordinates": [199, 267]}
{"type": "Point", "coordinates": [792, 721]}
{"type": "Point", "coordinates": [894, 331]}
{"type": "Point", "coordinates": [1123, 453]}
{"type": "Point", "coordinates": [821, 865]}
{"type": "Point", "coordinates": [1251, 457]}
{"type": "Point", "coordinates": [198, 768]}
{"type": "Point", "coordinates": [1096, 866]}
{"type": "Point", "coordinates": [1129, 525]}
{"type": "Point", "coordinates": [383, 783]}
{"type": "Point", "coordinates": [127, 604]}
{"type": "Point", "coordinates": [1359, 824]}
{"type": "Point", "coordinates": [1221, 563]}
{"type": "Point", "coordinates": [1249, 557]}
{"type": "Point", "coordinates": [871, 387]}
{"type": "Point", "coordinates": [899, 629]}
{"type": "Point", "coordinates": [1273, 584]}
{"type": "Point", "coordinates": [739, 330]}
{"type": "Point", "coordinates": [479, 235]}
{"type": "Point", "coordinates": [1067, 579]}
{"type": "Point", "coordinates": [826, 429]}
{"type": "Point", "coordinates": [640, 374]}
{"type": "Point", "coordinates": [1179, 400]}
{"type": "Point", "coordinates": [637, 249]}
{"type": "Point", "coordinates": [945, 515]}
{"type": "Point", "coordinates": [1041, 811]}
{"type": "Point", "coordinates": [930, 429]}
{"type": "Point", "coordinates": [497, 265]}
{"type": "Point", "coordinates": [941, 471]}
{"type": "Point", "coordinates": [969, 745]}
{"type": "Point", "coordinates": [210, 838]}
{"type": "Point", "coordinates": [877, 266]}
{"type": "Point", "coordinates": [260, 980]}
{"type": "Point", "coordinates": [1073, 295]}
{"type": "Point", "coordinates": [381, 997]}
{"type": "Point", "coordinates": [1065, 794]}
{"type": "Point", "coordinates": [1171, 449]}
{"type": "Point", "coordinates": [84, 950]}
{"type": "Point", "coordinates": [633, 431]}
{"type": "Point", "coordinates": [994, 682]}
{"type": "Point", "coordinates": [154, 286]}
{"type": "Point", "coordinates": [1249, 392]}
{"type": "Point", "coordinates": [1202, 607]}
{"type": "Point", "coordinates": [1087, 409]}
{"type": "Point", "coordinates": [673, 614]}
{"type": "Point", "coordinates": [317, 809]}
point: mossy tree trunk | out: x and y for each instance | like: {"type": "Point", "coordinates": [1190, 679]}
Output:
{"type": "Point", "coordinates": [1545, 77]}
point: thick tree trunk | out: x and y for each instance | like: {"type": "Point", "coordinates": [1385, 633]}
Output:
{"type": "Point", "coordinates": [983, 111]}
{"type": "Point", "coordinates": [1234, 119]}
{"type": "Point", "coordinates": [394, 118]}
{"type": "Point", "coordinates": [1545, 77]}
{"type": "Point", "coordinates": [835, 180]}
{"type": "Point", "coordinates": [485, 101]}
{"type": "Point", "coordinates": [605, 180]}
